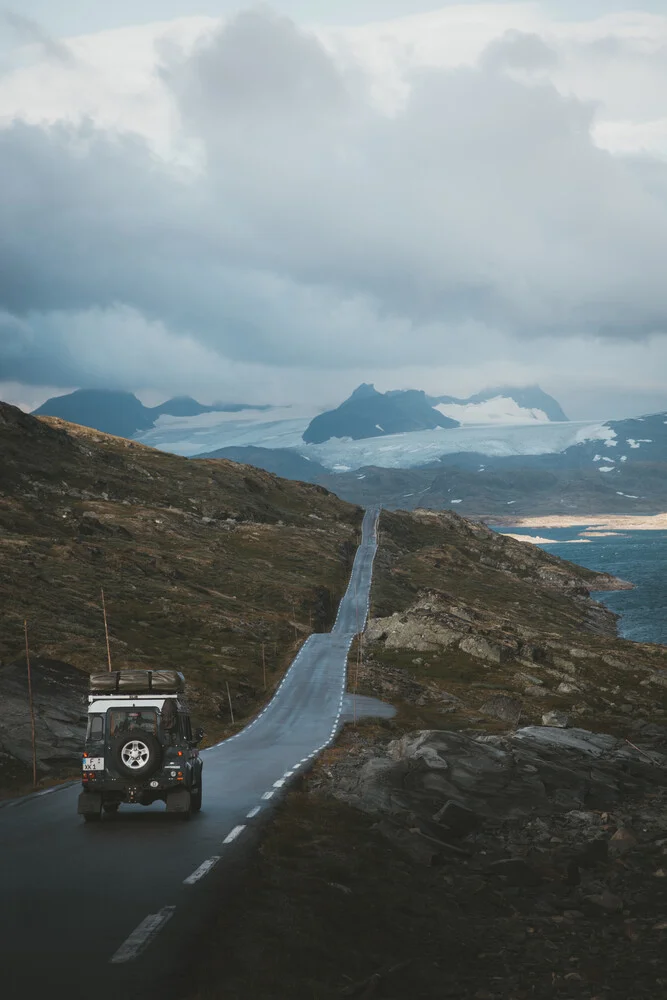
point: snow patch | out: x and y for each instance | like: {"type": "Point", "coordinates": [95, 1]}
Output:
{"type": "Point", "coordinates": [597, 432]}
{"type": "Point", "coordinates": [628, 495]}
{"type": "Point", "coordinates": [377, 427]}
{"type": "Point", "coordinates": [498, 410]}
{"type": "Point", "coordinates": [456, 501]}
{"type": "Point", "coordinates": [606, 468]}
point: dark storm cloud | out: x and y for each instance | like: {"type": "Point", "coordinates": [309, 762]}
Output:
{"type": "Point", "coordinates": [322, 231]}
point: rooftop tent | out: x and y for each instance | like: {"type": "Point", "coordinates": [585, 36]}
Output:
{"type": "Point", "coordinates": [137, 682]}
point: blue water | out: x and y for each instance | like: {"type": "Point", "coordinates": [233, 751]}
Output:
{"type": "Point", "coordinates": [637, 556]}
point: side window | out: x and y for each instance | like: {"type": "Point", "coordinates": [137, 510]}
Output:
{"type": "Point", "coordinates": [95, 727]}
{"type": "Point", "coordinates": [185, 727]}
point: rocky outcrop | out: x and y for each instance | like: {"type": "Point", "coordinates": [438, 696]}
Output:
{"type": "Point", "coordinates": [420, 786]}
{"type": "Point", "coordinates": [59, 696]}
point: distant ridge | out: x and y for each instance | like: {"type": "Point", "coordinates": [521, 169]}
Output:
{"type": "Point", "coordinates": [122, 414]}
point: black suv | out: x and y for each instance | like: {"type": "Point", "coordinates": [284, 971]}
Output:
{"type": "Point", "coordinates": [139, 745]}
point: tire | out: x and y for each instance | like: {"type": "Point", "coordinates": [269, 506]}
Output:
{"type": "Point", "coordinates": [92, 817]}
{"type": "Point", "coordinates": [195, 798]}
{"type": "Point", "coordinates": [189, 811]}
{"type": "Point", "coordinates": [110, 807]}
{"type": "Point", "coordinates": [136, 754]}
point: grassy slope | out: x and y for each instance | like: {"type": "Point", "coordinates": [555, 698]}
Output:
{"type": "Point", "coordinates": [202, 562]}
{"type": "Point", "coordinates": [518, 595]}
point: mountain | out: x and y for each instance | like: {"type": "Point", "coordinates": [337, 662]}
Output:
{"type": "Point", "coordinates": [121, 413]}
{"type": "Point", "coordinates": [621, 467]}
{"type": "Point", "coordinates": [503, 404]}
{"type": "Point", "coordinates": [207, 567]}
{"type": "Point", "coordinates": [280, 461]}
{"type": "Point", "coordinates": [369, 413]}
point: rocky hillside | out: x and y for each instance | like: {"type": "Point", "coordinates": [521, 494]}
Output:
{"type": "Point", "coordinates": [210, 567]}
{"type": "Point", "coordinates": [503, 837]}
{"type": "Point", "coordinates": [500, 631]}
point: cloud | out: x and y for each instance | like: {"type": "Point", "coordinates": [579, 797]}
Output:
{"type": "Point", "coordinates": [34, 33]}
{"type": "Point", "coordinates": [315, 230]}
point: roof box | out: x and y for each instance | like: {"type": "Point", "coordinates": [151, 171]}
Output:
{"type": "Point", "coordinates": [137, 682]}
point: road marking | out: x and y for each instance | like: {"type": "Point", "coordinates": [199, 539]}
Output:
{"type": "Point", "coordinates": [203, 869]}
{"type": "Point", "coordinates": [267, 795]}
{"type": "Point", "coordinates": [279, 783]}
{"type": "Point", "coordinates": [253, 812]}
{"type": "Point", "coordinates": [233, 834]}
{"type": "Point", "coordinates": [142, 935]}
{"type": "Point", "coordinates": [288, 774]}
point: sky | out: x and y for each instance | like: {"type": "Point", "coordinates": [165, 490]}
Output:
{"type": "Point", "coordinates": [276, 203]}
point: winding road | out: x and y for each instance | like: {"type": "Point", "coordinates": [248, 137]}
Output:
{"type": "Point", "coordinates": [114, 909]}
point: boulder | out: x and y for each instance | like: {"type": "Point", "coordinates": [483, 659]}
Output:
{"type": "Point", "coordinates": [557, 719]}
{"type": "Point", "coordinates": [504, 708]}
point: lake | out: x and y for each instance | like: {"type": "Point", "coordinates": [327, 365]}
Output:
{"type": "Point", "coordinates": [637, 556]}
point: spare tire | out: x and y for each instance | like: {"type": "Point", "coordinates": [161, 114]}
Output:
{"type": "Point", "coordinates": [136, 754]}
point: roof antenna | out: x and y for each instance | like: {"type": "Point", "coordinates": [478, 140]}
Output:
{"type": "Point", "coordinates": [106, 630]}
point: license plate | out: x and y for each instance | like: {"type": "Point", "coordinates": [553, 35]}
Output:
{"type": "Point", "coordinates": [93, 763]}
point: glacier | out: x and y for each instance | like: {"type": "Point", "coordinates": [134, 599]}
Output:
{"type": "Point", "coordinates": [191, 436]}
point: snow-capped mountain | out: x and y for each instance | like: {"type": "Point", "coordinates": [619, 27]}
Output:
{"type": "Point", "coordinates": [369, 414]}
{"type": "Point", "coordinates": [502, 405]}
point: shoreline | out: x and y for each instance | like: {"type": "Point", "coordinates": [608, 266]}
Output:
{"type": "Point", "coordinates": [608, 522]}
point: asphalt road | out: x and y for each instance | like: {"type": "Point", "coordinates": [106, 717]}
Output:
{"type": "Point", "coordinates": [115, 909]}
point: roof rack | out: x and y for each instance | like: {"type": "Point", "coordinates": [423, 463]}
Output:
{"type": "Point", "coordinates": [137, 682]}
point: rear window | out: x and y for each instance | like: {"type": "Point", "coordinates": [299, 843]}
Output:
{"type": "Point", "coordinates": [95, 727]}
{"type": "Point", "coordinates": [121, 720]}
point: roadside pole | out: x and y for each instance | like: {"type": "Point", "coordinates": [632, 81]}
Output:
{"type": "Point", "coordinates": [264, 665]}
{"type": "Point", "coordinates": [106, 631]}
{"type": "Point", "coordinates": [32, 707]}
{"type": "Point", "coordinates": [231, 710]}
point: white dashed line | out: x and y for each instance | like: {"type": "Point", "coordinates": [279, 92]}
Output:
{"type": "Point", "coordinates": [268, 795]}
{"type": "Point", "coordinates": [203, 869]}
{"type": "Point", "coordinates": [253, 812]}
{"type": "Point", "coordinates": [142, 935]}
{"type": "Point", "coordinates": [233, 834]}
{"type": "Point", "coordinates": [279, 783]}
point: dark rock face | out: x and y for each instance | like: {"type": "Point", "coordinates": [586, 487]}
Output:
{"type": "Point", "coordinates": [59, 696]}
{"type": "Point", "coordinates": [368, 413]}
{"type": "Point", "coordinates": [452, 782]}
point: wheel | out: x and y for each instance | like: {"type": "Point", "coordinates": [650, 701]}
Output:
{"type": "Point", "coordinates": [111, 807]}
{"type": "Point", "coordinates": [136, 754]}
{"type": "Point", "coordinates": [179, 801]}
{"type": "Point", "coordinates": [187, 813]}
{"type": "Point", "coordinates": [195, 798]}
{"type": "Point", "coordinates": [92, 817]}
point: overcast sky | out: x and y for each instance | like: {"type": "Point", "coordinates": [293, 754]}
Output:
{"type": "Point", "coordinates": [278, 203]}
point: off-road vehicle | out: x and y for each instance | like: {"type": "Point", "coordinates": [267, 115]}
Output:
{"type": "Point", "coordinates": [139, 744]}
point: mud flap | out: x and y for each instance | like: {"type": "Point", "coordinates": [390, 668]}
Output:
{"type": "Point", "coordinates": [89, 803]}
{"type": "Point", "coordinates": [178, 801]}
